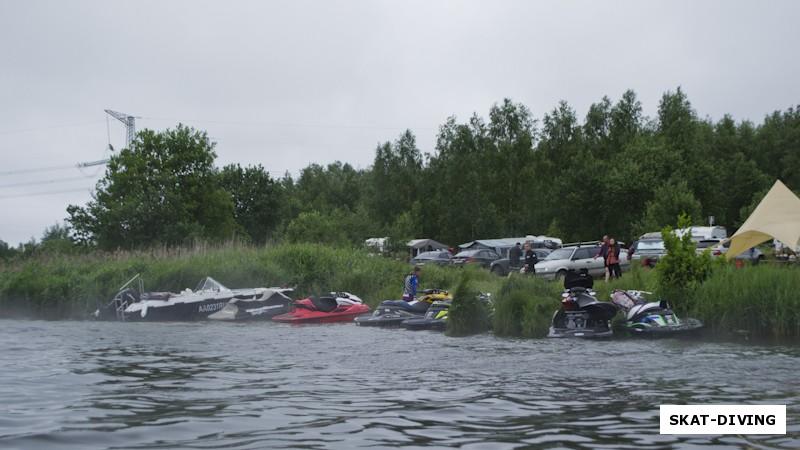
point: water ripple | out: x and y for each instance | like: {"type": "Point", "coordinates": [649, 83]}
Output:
{"type": "Point", "coordinates": [75, 385]}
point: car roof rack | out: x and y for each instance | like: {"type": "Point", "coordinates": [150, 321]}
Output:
{"type": "Point", "coordinates": [581, 244]}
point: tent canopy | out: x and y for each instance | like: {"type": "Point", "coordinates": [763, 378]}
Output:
{"type": "Point", "coordinates": [777, 216]}
{"type": "Point", "coordinates": [422, 245]}
{"type": "Point", "coordinates": [499, 245]}
{"type": "Point", "coordinates": [502, 245]}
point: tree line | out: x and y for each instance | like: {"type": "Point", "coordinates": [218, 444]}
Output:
{"type": "Point", "coordinates": [614, 172]}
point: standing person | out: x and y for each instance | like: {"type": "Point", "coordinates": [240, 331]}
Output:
{"type": "Point", "coordinates": [602, 252]}
{"type": "Point", "coordinates": [612, 260]}
{"type": "Point", "coordinates": [410, 286]}
{"type": "Point", "coordinates": [530, 259]}
{"type": "Point", "coordinates": [514, 254]}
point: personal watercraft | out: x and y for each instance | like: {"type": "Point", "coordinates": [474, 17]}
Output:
{"type": "Point", "coordinates": [435, 318]}
{"type": "Point", "coordinates": [392, 313]}
{"type": "Point", "coordinates": [581, 314]}
{"type": "Point", "coordinates": [208, 297]}
{"type": "Point", "coordinates": [336, 307]}
{"type": "Point", "coordinates": [438, 313]}
{"type": "Point", "coordinates": [650, 319]}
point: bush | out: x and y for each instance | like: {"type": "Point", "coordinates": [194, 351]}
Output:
{"type": "Point", "coordinates": [681, 269]}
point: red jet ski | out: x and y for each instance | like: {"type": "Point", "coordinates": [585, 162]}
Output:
{"type": "Point", "coordinates": [337, 307]}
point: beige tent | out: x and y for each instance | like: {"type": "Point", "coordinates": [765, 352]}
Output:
{"type": "Point", "coordinates": [777, 216]}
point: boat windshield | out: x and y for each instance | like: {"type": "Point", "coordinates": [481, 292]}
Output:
{"type": "Point", "coordinates": [210, 284]}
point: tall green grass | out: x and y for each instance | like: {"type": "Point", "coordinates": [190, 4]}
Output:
{"type": "Point", "coordinates": [524, 305]}
{"type": "Point", "coordinates": [761, 301]}
{"type": "Point", "coordinates": [468, 313]}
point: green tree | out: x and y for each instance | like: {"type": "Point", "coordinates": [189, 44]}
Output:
{"type": "Point", "coordinates": [327, 188]}
{"type": "Point", "coordinates": [56, 239]}
{"type": "Point", "coordinates": [258, 200]}
{"type": "Point", "coordinates": [511, 132]}
{"type": "Point", "coordinates": [597, 128]}
{"type": "Point", "coordinates": [671, 200]}
{"type": "Point", "coordinates": [394, 179]}
{"type": "Point", "coordinates": [777, 144]}
{"type": "Point", "coordinates": [162, 190]}
{"type": "Point", "coordinates": [626, 121]}
{"type": "Point", "coordinates": [458, 184]}
{"type": "Point", "coordinates": [6, 252]}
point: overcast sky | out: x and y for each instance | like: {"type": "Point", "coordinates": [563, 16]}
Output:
{"type": "Point", "coordinates": [286, 84]}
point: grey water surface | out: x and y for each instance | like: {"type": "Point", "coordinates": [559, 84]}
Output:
{"type": "Point", "coordinates": [94, 385]}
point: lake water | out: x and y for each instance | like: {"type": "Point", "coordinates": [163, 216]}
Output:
{"type": "Point", "coordinates": [93, 385]}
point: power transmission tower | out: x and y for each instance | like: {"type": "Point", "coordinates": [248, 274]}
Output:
{"type": "Point", "coordinates": [130, 126]}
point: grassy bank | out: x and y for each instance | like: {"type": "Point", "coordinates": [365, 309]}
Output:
{"type": "Point", "coordinates": [757, 301]}
{"type": "Point", "coordinates": [58, 286]}
{"type": "Point", "coordinates": [760, 301]}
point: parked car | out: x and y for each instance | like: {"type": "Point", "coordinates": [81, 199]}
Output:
{"type": "Point", "coordinates": [440, 257]}
{"type": "Point", "coordinates": [754, 255]}
{"type": "Point", "coordinates": [704, 244]}
{"type": "Point", "coordinates": [502, 265]}
{"type": "Point", "coordinates": [561, 260]}
{"type": "Point", "coordinates": [649, 251]}
{"type": "Point", "coordinates": [482, 256]}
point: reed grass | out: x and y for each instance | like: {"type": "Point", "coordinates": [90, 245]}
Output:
{"type": "Point", "coordinates": [759, 301]}
{"type": "Point", "coordinates": [466, 316]}
{"type": "Point", "coordinates": [523, 306]}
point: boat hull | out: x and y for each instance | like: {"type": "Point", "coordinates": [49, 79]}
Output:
{"type": "Point", "coordinates": [298, 317]}
{"type": "Point", "coordinates": [269, 305]}
{"type": "Point", "coordinates": [687, 327]}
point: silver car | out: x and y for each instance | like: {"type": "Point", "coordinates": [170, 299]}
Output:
{"type": "Point", "coordinates": [561, 260]}
{"type": "Point", "coordinates": [753, 254]}
{"type": "Point", "coordinates": [649, 251]}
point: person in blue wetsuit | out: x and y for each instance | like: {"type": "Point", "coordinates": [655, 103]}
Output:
{"type": "Point", "coordinates": [411, 284]}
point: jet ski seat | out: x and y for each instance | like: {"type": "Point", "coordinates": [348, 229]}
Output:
{"type": "Point", "coordinates": [415, 306]}
{"type": "Point", "coordinates": [324, 304]}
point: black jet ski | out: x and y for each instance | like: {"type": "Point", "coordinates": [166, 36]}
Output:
{"type": "Point", "coordinates": [651, 318]}
{"type": "Point", "coordinates": [392, 313]}
{"type": "Point", "coordinates": [581, 314]}
{"type": "Point", "coordinates": [435, 318]}
{"type": "Point", "coordinates": [438, 313]}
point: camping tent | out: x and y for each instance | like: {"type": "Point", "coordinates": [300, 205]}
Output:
{"type": "Point", "coordinates": [777, 216]}
{"type": "Point", "coordinates": [501, 246]}
{"type": "Point", "coordinates": [422, 245]}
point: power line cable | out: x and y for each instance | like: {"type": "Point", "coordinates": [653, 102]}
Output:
{"type": "Point", "coordinates": [39, 169]}
{"type": "Point", "coordinates": [42, 182]}
{"type": "Point", "coordinates": [48, 127]}
{"type": "Point", "coordinates": [34, 194]}
{"type": "Point", "coordinates": [288, 125]}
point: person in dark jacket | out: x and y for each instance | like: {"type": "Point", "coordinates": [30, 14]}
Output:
{"type": "Point", "coordinates": [612, 259]}
{"type": "Point", "coordinates": [602, 252]}
{"type": "Point", "coordinates": [514, 255]}
{"type": "Point", "coordinates": [530, 259]}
